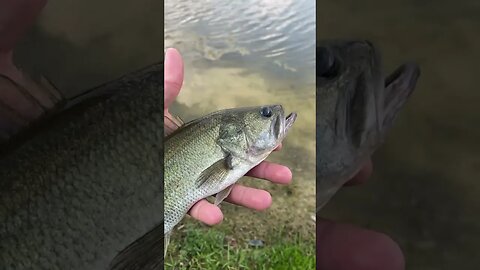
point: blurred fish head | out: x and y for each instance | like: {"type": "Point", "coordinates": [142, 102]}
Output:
{"type": "Point", "coordinates": [356, 106]}
{"type": "Point", "coordinates": [254, 131]}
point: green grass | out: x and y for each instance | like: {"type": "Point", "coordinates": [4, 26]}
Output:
{"type": "Point", "coordinates": [203, 248]}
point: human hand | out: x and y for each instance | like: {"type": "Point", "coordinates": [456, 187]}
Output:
{"type": "Point", "coordinates": [346, 247]}
{"type": "Point", "coordinates": [241, 195]}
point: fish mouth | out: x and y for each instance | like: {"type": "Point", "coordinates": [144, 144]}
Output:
{"type": "Point", "coordinates": [404, 77]}
{"type": "Point", "coordinates": [282, 124]}
{"type": "Point", "coordinates": [376, 100]}
{"type": "Point", "coordinates": [289, 120]}
{"type": "Point", "coordinates": [401, 82]}
{"type": "Point", "coordinates": [398, 87]}
{"type": "Point", "coordinates": [288, 123]}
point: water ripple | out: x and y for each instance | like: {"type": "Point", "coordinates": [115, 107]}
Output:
{"type": "Point", "coordinates": [275, 31]}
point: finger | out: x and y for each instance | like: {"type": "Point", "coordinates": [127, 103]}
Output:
{"type": "Point", "coordinates": [173, 76]}
{"type": "Point", "coordinates": [250, 197]}
{"type": "Point", "coordinates": [206, 212]}
{"type": "Point", "coordinates": [343, 246]}
{"type": "Point", "coordinates": [272, 171]}
{"type": "Point", "coordinates": [363, 175]}
{"type": "Point", "coordinates": [16, 17]}
{"type": "Point", "coordinates": [170, 125]}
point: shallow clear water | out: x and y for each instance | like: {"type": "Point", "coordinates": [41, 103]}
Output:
{"type": "Point", "coordinates": [268, 37]}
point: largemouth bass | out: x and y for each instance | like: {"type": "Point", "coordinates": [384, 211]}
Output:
{"type": "Point", "coordinates": [356, 106]}
{"type": "Point", "coordinates": [85, 189]}
{"type": "Point", "coordinates": [208, 155]}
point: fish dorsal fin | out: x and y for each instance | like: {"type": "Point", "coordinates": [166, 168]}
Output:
{"type": "Point", "coordinates": [171, 123]}
{"type": "Point", "coordinates": [145, 253]}
{"type": "Point", "coordinates": [215, 174]}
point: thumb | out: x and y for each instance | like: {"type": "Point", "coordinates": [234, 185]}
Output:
{"type": "Point", "coordinates": [173, 76]}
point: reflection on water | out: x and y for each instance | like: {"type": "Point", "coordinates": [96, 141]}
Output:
{"type": "Point", "coordinates": [273, 36]}
{"type": "Point", "coordinates": [245, 53]}
{"type": "Point", "coordinates": [425, 189]}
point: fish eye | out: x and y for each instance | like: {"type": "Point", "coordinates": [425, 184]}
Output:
{"type": "Point", "coordinates": [326, 64]}
{"type": "Point", "coordinates": [266, 112]}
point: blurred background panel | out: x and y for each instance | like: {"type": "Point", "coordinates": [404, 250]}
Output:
{"type": "Point", "coordinates": [81, 44]}
{"type": "Point", "coordinates": [425, 191]}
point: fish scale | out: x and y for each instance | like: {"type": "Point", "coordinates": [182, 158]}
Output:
{"type": "Point", "coordinates": [89, 183]}
{"type": "Point", "coordinates": [191, 154]}
{"type": "Point", "coordinates": [208, 155]}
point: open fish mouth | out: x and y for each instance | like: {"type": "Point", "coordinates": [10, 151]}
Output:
{"type": "Point", "coordinates": [289, 120]}
{"type": "Point", "coordinates": [399, 85]}
{"type": "Point", "coordinates": [282, 124]}
{"type": "Point", "coordinates": [404, 77]}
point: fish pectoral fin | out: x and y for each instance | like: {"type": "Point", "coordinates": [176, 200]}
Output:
{"type": "Point", "coordinates": [171, 123]}
{"type": "Point", "coordinates": [215, 174]}
{"type": "Point", "coordinates": [143, 253]}
{"type": "Point", "coordinates": [222, 195]}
